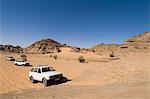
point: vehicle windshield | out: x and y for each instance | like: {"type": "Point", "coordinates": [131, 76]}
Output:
{"type": "Point", "coordinates": [22, 61]}
{"type": "Point", "coordinates": [47, 69]}
{"type": "Point", "coordinates": [19, 61]}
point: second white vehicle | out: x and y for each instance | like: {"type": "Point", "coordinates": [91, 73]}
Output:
{"type": "Point", "coordinates": [21, 63]}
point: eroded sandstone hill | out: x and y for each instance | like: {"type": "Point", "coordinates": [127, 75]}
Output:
{"type": "Point", "coordinates": [43, 46]}
{"type": "Point", "coordinates": [141, 38]}
{"type": "Point", "coordinates": [140, 42]}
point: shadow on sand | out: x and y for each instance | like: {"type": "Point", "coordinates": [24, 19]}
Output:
{"type": "Point", "coordinates": [28, 65]}
{"type": "Point", "coordinates": [24, 65]}
{"type": "Point", "coordinates": [63, 80]}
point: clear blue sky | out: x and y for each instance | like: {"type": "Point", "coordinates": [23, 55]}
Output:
{"type": "Point", "coordinates": [81, 23]}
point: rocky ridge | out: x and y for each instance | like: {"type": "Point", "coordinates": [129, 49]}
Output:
{"type": "Point", "coordinates": [44, 46]}
{"type": "Point", "coordinates": [140, 42]}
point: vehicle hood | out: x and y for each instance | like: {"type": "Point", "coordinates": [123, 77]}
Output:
{"type": "Point", "coordinates": [51, 73]}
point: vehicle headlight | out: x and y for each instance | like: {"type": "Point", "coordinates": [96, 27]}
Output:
{"type": "Point", "coordinates": [48, 77]}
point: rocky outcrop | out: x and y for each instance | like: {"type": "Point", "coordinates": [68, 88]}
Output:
{"type": "Point", "coordinates": [43, 46]}
{"type": "Point", "coordinates": [141, 38]}
{"type": "Point", "coordinates": [137, 43]}
{"type": "Point", "coordinates": [11, 48]}
{"type": "Point", "coordinates": [75, 49]}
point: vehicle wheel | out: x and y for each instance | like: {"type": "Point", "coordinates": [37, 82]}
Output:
{"type": "Point", "coordinates": [45, 82]}
{"type": "Point", "coordinates": [61, 80]}
{"type": "Point", "coordinates": [32, 79]}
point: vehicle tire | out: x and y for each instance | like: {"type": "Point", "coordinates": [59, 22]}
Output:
{"type": "Point", "coordinates": [61, 80]}
{"type": "Point", "coordinates": [32, 79]}
{"type": "Point", "coordinates": [45, 82]}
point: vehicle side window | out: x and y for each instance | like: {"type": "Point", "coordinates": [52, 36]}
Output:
{"type": "Point", "coordinates": [39, 70]}
{"type": "Point", "coordinates": [34, 69]}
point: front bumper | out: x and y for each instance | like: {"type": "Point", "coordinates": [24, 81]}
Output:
{"type": "Point", "coordinates": [56, 78]}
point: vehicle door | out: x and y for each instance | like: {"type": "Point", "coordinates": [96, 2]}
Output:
{"type": "Point", "coordinates": [18, 62]}
{"type": "Point", "coordinates": [34, 73]}
{"type": "Point", "coordinates": [39, 74]}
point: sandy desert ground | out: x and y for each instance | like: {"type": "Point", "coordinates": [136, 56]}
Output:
{"type": "Point", "coordinates": [101, 77]}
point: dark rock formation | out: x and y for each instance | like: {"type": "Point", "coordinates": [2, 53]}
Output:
{"type": "Point", "coordinates": [75, 49]}
{"type": "Point", "coordinates": [10, 48]}
{"type": "Point", "coordinates": [43, 47]}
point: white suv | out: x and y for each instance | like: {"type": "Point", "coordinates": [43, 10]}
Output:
{"type": "Point", "coordinates": [44, 74]}
{"type": "Point", "coordinates": [21, 63]}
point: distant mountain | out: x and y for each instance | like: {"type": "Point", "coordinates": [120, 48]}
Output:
{"type": "Point", "coordinates": [43, 46]}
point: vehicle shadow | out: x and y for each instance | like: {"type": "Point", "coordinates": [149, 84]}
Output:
{"type": "Point", "coordinates": [25, 66]}
{"type": "Point", "coordinates": [63, 80]}
{"type": "Point", "coordinates": [28, 65]}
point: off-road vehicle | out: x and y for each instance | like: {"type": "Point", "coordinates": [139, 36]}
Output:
{"type": "Point", "coordinates": [21, 63]}
{"type": "Point", "coordinates": [10, 58]}
{"type": "Point", "coordinates": [44, 74]}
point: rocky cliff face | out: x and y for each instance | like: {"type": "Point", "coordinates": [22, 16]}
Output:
{"type": "Point", "coordinates": [43, 46]}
